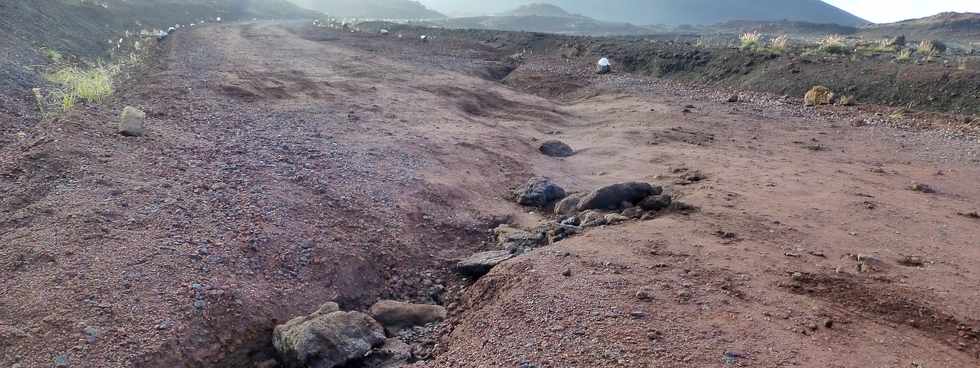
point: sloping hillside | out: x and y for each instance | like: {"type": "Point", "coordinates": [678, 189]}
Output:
{"type": "Point", "coordinates": [676, 12]}
{"type": "Point", "coordinates": [87, 30]}
{"type": "Point", "coordinates": [960, 28]}
{"type": "Point", "coordinates": [396, 9]}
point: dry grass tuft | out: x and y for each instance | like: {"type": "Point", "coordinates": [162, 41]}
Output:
{"type": "Point", "coordinates": [780, 43]}
{"type": "Point", "coordinates": [76, 84]}
{"type": "Point", "coordinates": [751, 41]}
{"type": "Point", "coordinates": [833, 44]}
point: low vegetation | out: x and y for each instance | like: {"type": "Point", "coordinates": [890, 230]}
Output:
{"type": "Point", "coordinates": [751, 41]}
{"type": "Point", "coordinates": [53, 55]}
{"type": "Point", "coordinates": [833, 44]}
{"type": "Point", "coordinates": [904, 56]}
{"type": "Point", "coordinates": [928, 49]}
{"type": "Point", "coordinates": [755, 42]}
{"type": "Point", "coordinates": [877, 47]}
{"type": "Point", "coordinates": [779, 44]}
{"type": "Point", "coordinates": [72, 81]}
{"type": "Point", "coordinates": [92, 85]}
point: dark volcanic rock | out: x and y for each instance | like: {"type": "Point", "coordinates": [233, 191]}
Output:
{"type": "Point", "coordinates": [479, 264]}
{"type": "Point", "coordinates": [656, 202]}
{"type": "Point", "coordinates": [539, 192]}
{"type": "Point", "coordinates": [556, 148]}
{"type": "Point", "coordinates": [612, 197]}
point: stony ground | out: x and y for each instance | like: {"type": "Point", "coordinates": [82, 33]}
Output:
{"type": "Point", "coordinates": [286, 167]}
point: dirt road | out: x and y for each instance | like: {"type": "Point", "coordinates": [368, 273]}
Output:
{"type": "Point", "coordinates": [286, 167]}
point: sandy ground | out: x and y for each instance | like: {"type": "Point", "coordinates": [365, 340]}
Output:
{"type": "Point", "coordinates": [281, 172]}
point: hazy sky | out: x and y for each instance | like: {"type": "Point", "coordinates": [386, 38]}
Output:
{"type": "Point", "coordinates": [883, 11]}
{"type": "Point", "coordinates": [878, 11]}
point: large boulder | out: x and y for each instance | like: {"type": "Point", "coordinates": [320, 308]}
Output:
{"type": "Point", "coordinates": [131, 122]}
{"type": "Point", "coordinates": [327, 338]}
{"type": "Point", "coordinates": [556, 148]}
{"type": "Point", "coordinates": [613, 197]}
{"type": "Point", "coordinates": [539, 192]}
{"type": "Point", "coordinates": [479, 264]}
{"type": "Point", "coordinates": [396, 316]}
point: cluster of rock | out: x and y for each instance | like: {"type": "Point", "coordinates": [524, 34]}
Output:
{"type": "Point", "coordinates": [606, 205]}
{"type": "Point", "coordinates": [331, 337]}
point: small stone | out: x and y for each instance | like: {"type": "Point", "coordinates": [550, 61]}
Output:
{"type": "Point", "coordinates": [131, 122]}
{"type": "Point", "coordinates": [570, 221]}
{"type": "Point", "coordinates": [615, 218]}
{"type": "Point", "coordinates": [165, 325]}
{"type": "Point", "coordinates": [733, 98]}
{"type": "Point", "coordinates": [555, 148]}
{"type": "Point", "coordinates": [91, 334]}
{"type": "Point", "coordinates": [567, 272]}
{"type": "Point", "coordinates": [633, 212]}
{"type": "Point", "coordinates": [828, 323]}
{"type": "Point", "coordinates": [912, 261]}
{"type": "Point", "coordinates": [644, 294]}
{"type": "Point", "coordinates": [922, 188]}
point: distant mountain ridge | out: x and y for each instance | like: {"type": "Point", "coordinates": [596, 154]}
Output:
{"type": "Point", "coordinates": [538, 9]}
{"type": "Point", "coordinates": [393, 9]}
{"type": "Point", "coordinates": [677, 12]}
{"type": "Point", "coordinates": [545, 18]}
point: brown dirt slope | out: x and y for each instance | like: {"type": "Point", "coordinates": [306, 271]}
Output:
{"type": "Point", "coordinates": [288, 167]}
